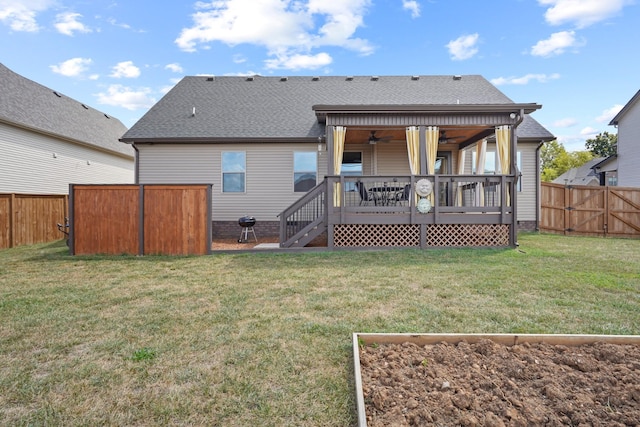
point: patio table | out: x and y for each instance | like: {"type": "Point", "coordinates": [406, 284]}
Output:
{"type": "Point", "coordinates": [386, 194]}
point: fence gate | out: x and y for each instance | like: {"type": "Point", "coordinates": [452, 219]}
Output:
{"type": "Point", "coordinates": [585, 211]}
{"type": "Point", "coordinates": [623, 216]}
{"type": "Point", "coordinates": [590, 211]}
{"type": "Point", "coordinates": [140, 219]}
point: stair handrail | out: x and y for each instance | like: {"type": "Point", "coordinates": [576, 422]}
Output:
{"type": "Point", "coordinates": [308, 212]}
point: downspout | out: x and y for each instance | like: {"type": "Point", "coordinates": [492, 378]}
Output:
{"type": "Point", "coordinates": [514, 165]}
{"type": "Point", "coordinates": [538, 186]}
{"type": "Point", "coordinates": [136, 170]}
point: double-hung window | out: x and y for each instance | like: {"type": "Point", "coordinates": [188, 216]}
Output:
{"type": "Point", "coordinates": [234, 171]}
{"type": "Point", "coordinates": [305, 170]}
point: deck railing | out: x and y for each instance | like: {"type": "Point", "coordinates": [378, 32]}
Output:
{"type": "Point", "coordinates": [455, 199]}
{"type": "Point", "coordinates": [452, 194]}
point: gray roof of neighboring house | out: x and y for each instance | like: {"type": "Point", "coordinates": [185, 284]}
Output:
{"type": "Point", "coordinates": [583, 175]}
{"type": "Point", "coordinates": [27, 104]}
{"type": "Point", "coordinates": [263, 108]}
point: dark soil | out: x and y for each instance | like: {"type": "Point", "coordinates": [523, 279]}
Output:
{"type": "Point", "coordinates": [489, 384]}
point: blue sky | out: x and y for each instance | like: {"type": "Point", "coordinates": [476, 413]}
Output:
{"type": "Point", "coordinates": [575, 57]}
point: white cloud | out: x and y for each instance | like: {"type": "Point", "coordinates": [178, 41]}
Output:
{"type": "Point", "coordinates": [589, 132]}
{"type": "Point", "coordinates": [298, 62]}
{"type": "Point", "coordinates": [412, 6]}
{"type": "Point", "coordinates": [175, 67]}
{"type": "Point", "coordinates": [125, 97]}
{"type": "Point", "coordinates": [523, 80]}
{"type": "Point", "coordinates": [73, 67]}
{"type": "Point", "coordinates": [125, 69]}
{"type": "Point", "coordinates": [67, 23]}
{"type": "Point", "coordinates": [571, 143]}
{"type": "Point", "coordinates": [464, 47]}
{"type": "Point", "coordinates": [608, 114]}
{"type": "Point", "coordinates": [565, 123]}
{"type": "Point", "coordinates": [20, 16]}
{"type": "Point", "coordinates": [555, 45]}
{"type": "Point", "coordinates": [239, 59]}
{"type": "Point", "coordinates": [243, 74]}
{"type": "Point", "coordinates": [582, 13]}
{"type": "Point", "coordinates": [286, 28]}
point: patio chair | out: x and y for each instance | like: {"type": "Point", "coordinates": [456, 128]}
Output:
{"type": "Point", "coordinates": [403, 196]}
{"type": "Point", "coordinates": [365, 196]}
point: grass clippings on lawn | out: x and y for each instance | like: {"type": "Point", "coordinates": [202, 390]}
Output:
{"type": "Point", "coordinates": [264, 339]}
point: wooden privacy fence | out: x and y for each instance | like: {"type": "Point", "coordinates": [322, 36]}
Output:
{"type": "Point", "coordinates": [590, 211]}
{"type": "Point", "coordinates": [26, 219]}
{"type": "Point", "coordinates": [140, 219]}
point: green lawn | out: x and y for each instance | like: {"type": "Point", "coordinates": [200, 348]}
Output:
{"type": "Point", "coordinates": [265, 339]}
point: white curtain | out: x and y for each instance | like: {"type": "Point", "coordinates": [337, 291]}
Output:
{"type": "Point", "coordinates": [433, 134]}
{"type": "Point", "coordinates": [481, 154]}
{"type": "Point", "coordinates": [503, 146]}
{"type": "Point", "coordinates": [461, 160]}
{"type": "Point", "coordinates": [432, 148]}
{"type": "Point", "coordinates": [339, 133]}
{"type": "Point", "coordinates": [413, 149]}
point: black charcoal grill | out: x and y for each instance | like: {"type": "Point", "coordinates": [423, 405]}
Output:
{"type": "Point", "coordinates": [247, 222]}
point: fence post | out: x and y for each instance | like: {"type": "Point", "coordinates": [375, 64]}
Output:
{"type": "Point", "coordinates": [605, 223]}
{"type": "Point", "coordinates": [567, 209]}
{"type": "Point", "coordinates": [12, 220]}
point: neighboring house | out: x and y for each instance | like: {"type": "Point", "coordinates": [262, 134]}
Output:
{"type": "Point", "coordinates": [49, 141]}
{"type": "Point", "coordinates": [343, 155]}
{"type": "Point", "coordinates": [628, 123]}
{"type": "Point", "coordinates": [583, 175]}
{"type": "Point", "coordinates": [607, 170]}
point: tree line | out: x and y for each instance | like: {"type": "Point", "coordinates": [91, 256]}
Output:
{"type": "Point", "coordinates": [556, 160]}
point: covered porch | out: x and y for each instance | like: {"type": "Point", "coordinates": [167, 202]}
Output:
{"type": "Point", "coordinates": [412, 176]}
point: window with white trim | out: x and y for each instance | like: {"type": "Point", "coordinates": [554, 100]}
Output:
{"type": "Point", "coordinates": [519, 171]}
{"type": "Point", "coordinates": [234, 171]}
{"type": "Point", "coordinates": [351, 166]}
{"type": "Point", "coordinates": [305, 170]}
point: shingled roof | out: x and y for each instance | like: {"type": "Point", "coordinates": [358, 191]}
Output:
{"type": "Point", "coordinates": [201, 108]}
{"type": "Point", "coordinates": [30, 105]}
{"type": "Point", "coordinates": [531, 129]}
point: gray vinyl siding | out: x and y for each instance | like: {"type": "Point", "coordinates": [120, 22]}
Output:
{"type": "Point", "coordinates": [629, 148]}
{"type": "Point", "coordinates": [527, 197]}
{"type": "Point", "coordinates": [392, 158]}
{"type": "Point", "coordinates": [28, 165]}
{"type": "Point", "coordinates": [269, 174]}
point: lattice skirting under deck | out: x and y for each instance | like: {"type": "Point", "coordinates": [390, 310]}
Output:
{"type": "Point", "coordinates": [376, 235]}
{"type": "Point", "coordinates": [408, 235]}
{"type": "Point", "coordinates": [468, 235]}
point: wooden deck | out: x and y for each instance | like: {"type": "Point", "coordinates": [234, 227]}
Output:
{"type": "Point", "coordinates": [466, 211]}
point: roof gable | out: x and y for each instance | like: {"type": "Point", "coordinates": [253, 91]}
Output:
{"type": "Point", "coordinates": [27, 104]}
{"type": "Point", "coordinates": [262, 108]}
{"type": "Point", "coordinates": [629, 105]}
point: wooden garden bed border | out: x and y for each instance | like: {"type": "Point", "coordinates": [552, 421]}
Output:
{"type": "Point", "coordinates": [504, 339]}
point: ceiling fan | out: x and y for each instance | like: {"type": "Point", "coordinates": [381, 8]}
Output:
{"type": "Point", "coordinates": [373, 139]}
{"type": "Point", "coordinates": [444, 140]}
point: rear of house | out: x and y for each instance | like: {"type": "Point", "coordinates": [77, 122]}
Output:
{"type": "Point", "coordinates": [266, 142]}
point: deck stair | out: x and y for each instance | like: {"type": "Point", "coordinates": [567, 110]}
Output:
{"type": "Point", "coordinates": [305, 219]}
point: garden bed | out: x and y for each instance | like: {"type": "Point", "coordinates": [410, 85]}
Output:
{"type": "Point", "coordinates": [497, 380]}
